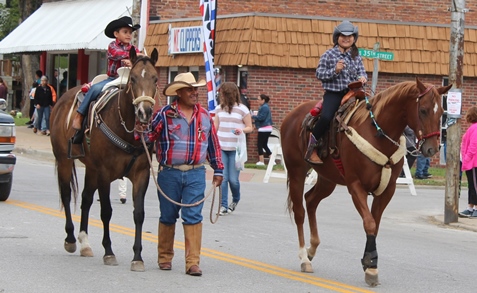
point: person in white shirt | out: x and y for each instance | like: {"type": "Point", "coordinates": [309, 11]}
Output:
{"type": "Point", "coordinates": [231, 120]}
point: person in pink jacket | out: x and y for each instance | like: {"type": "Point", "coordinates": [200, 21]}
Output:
{"type": "Point", "coordinates": [469, 161]}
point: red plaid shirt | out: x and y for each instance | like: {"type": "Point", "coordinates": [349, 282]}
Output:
{"type": "Point", "coordinates": [117, 51]}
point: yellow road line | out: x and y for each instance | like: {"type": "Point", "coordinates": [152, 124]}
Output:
{"type": "Point", "coordinates": [244, 262]}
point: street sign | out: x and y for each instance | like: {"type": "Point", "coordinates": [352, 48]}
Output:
{"type": "Point", "coordinates": [386, 56]}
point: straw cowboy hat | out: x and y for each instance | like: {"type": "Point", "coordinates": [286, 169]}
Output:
{"type": "Point", "coordinates": [114, 25]}
{"type": "Point", "coordinates": [182, 80]}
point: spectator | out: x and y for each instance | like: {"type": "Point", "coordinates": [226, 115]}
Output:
{"type": "Point", "coordinates": [54, 81]}
{"type": "Point", "coordinates": [422, 167]}
{"type": "Point", "coordinates": [31, 113]}
{"type": "Point", "coordinates": [468, 151]}
{"type": "Point", "coordinates": [411, 148]}
{"type": "Point", "coordinates": [185, 137]}
{"type": "Point", "coordinates": [64, 83]}
{"type": "Point", "coordinates": [45, 96]}
{"type": "Point", "coordinates": [38, 75]}
{"type": "Point", "coordinates": [338, 67]}
{"type": "Point", "coordinates": [232, 118]}
{"type": "Point", "coordinates": [263, 122]}
{"type": "Point", "coordinates": [3, 89]}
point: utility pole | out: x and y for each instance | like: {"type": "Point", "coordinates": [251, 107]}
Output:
{"type": "Point", "coordinates": [136, 16]}
{"type": "Point", "coordinates": [456, 61]}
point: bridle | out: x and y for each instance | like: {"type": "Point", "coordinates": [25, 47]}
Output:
{"type": "Point", "coordinates": [136, 100]}
{"type": "Point", "coordinates": [422, 138]}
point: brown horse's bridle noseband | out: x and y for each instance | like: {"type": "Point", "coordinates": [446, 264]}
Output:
{"type": "Point", "coordinates": [135, 100]}
{"type": "Point", "coordinates": [422, 138]}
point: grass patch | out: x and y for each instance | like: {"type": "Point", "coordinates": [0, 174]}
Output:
{"type": "Point", "coordinates": [21, 121]}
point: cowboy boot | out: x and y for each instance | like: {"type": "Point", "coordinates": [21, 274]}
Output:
{"type": "Point", "coordinates": [78, 121]}
{"type": "Point", "coordinates": [193, 240]}
{"type": "Point", "coordinates": [165, 245]}
{"type": "Point", "coordinates": [311, 155]}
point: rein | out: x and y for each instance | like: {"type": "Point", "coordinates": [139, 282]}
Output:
{"type": "Point", "coordinates": [212, 190]}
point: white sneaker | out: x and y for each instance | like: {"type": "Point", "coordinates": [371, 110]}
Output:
{"type": "Point", "coordinates": [260, 163]}
{"type": "Point", "coordinates": [223, 211]}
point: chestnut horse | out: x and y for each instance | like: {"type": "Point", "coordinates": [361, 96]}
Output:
{"type": "Point", "coordinates": [110, 152]}
{"type": "Point", "coordinates": [408, 103]}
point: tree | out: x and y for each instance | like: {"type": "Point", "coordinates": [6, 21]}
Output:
{"type": "Point", "coordinates": [9, 17]}
{"type": "Point", "coordinates": [30, 62]}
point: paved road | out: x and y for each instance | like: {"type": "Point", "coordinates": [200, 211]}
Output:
{"type": "Point", "coordinates": [253, 250]}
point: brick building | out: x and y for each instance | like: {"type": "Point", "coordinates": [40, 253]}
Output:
{"type": "Point", "coordinates": [274, 45]}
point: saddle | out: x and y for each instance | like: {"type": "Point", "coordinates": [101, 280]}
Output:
{"type": "Point", "coordinates": [326, 145]}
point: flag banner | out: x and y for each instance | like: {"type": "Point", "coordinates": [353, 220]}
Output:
{"type": "Point", "coordinates": [208, 11]}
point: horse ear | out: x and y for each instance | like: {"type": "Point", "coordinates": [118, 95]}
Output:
{"type": "Point", "coordinates": [420, 85]}
{"type": "Point", "coordinates": [132, 54]}
{"type": "Point", "coordinates": [442, 90]}
{"type": "Point", "coordinates": [154, 56]}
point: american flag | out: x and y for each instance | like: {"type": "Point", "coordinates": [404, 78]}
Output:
{"type": "Point", "coordinates": [208, 9]}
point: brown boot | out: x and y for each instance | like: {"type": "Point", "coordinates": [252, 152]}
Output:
{"type": "Point", "coordinates": [78, 121]}
{"type": "Point", "coordinates": [165, 246]}
{"type": "Point", "coordinates": [193, 242]}
{"type": "Point", "coordinates": [311, 155]}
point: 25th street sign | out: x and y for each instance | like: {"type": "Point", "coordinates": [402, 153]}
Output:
{"type": "Point", "coordinates": [386, 56]}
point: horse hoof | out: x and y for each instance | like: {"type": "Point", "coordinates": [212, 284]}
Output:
{"type": "Point", "coordinates": [371, 277]}
{"type": "Point", "coordinates": [87, 251]}
{"type": "Point", "coordinates": [110, 260]}
{"type": "Point", "coordinates": [306, 268]}
{"type": "Point", "coordinates": [70, 247]}
{"type": "Point", "coordinates": [137, 266]}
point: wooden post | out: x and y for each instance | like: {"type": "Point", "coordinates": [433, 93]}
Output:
{"type": "Point", "coordinates": [456, 61]}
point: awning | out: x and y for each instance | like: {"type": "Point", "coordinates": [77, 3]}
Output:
{"type": "Point", "coordinates": [66, 25]}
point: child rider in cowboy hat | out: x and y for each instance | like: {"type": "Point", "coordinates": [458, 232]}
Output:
{"type": "Point", "coordinates": [338, 67]}
{"type": "Point", "coordinates": [118, 55]}
{"type": "Point", "coordinates": [185, 137]}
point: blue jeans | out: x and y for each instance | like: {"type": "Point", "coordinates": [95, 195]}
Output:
{"type": "Point", "coordinates": [231, 177]}
{"type": "Point", "coordinates": [43, 112]}
{"type": "Point", "coordinates": [92, 95]}
{"type": "Point", "coordinates": [184, 187]}
{"type": "Point", "coordinates": [422, 166]}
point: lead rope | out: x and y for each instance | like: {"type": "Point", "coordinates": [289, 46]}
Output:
{"type": "Point", "coordinates": [211, 190]}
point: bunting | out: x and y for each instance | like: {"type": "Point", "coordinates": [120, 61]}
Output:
{"type": "Point", "coordinates": [208, 9]}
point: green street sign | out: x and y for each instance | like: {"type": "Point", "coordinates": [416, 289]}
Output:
{"type": "Point", "coordinates": [386, 56]}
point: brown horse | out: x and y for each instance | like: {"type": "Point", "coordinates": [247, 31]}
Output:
{"type": "Point", "coordinates": [407, 103]}
{"type": "Point", "coordinates": [110, 152]}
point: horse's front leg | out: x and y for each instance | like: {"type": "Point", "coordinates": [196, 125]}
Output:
{"type": "Point", "coordinates": [139, 192]}
{"type": "Point", "coordinates": [370, 257]}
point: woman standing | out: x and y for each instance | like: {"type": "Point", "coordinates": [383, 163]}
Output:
{"type": "Point", "coordinates": [263, 122]}
{"type": "Point", "coordinates": [231, 120]}
{"type": "Point", "coordinates": [468, 152]}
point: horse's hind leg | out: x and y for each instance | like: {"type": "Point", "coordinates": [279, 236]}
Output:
{"type": "Point", "coordinates": [313, 197]}
{"type": "Point", "coordinates": [65, 181]}
{"type": "Point", "coordinates": [86, 202]}
{"type": "Point", "coordinates": [295, 203]}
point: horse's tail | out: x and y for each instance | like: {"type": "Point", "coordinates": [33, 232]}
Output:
{"type": "Point", "coordinates": [289, 200]}
{"type": "Point", "coordinates": [73, 182]}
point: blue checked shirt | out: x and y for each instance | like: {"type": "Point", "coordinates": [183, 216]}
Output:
{"type": "Point", "coordinates": [326, 70]}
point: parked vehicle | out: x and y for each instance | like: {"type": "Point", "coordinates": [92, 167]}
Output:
{"type": "Point", "coordinates": [7, 144]}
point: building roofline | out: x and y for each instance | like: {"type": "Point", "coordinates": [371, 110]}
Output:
{"type": "Point", "coordinates": [236, 15]}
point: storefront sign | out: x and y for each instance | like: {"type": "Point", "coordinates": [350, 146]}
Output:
{"type": "Point", "coordinates": [185, 40]}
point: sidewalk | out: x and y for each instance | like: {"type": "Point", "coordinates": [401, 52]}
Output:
{"type": "Point", "coordinates": [39, 146]}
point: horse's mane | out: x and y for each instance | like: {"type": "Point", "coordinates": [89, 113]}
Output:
{"type": "Point", "coordinates": [383, 98]}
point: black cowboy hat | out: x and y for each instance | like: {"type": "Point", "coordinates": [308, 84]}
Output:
{"type": "Point", "coordinates": [114, 25]}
